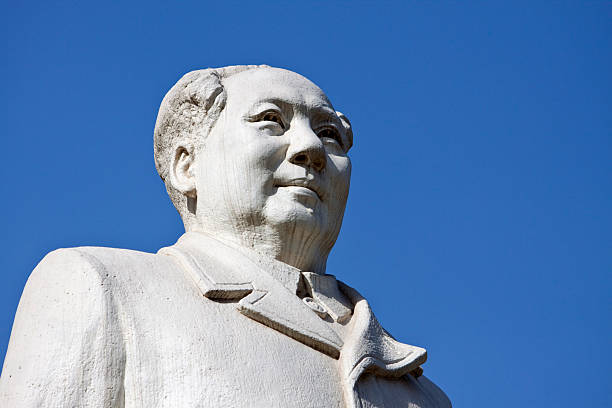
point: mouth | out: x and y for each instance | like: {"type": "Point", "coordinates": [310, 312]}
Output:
{"type": "Point", "coordinates": [303, 186]}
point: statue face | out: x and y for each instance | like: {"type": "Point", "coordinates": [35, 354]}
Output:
{"type": "Point", "coordinates": [275, 165]}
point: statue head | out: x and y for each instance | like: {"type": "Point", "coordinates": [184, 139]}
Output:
{"type": "Point", "coordinates": [256, 156]}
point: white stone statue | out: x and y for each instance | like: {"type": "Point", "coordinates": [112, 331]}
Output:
{"type": "Point", "coordinates": [240, 311]}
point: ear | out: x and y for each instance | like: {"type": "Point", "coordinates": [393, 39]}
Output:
{"type": "Point", "coordinates": [347, 127]}
{"type": "Point", "coordinates": [182, 170]}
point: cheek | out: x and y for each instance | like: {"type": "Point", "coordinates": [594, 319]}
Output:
{"type": "Point", "coordinates": [339, 168]}
{"type": "Point", "coordinates": [252, 165]}
{"type": "Point", "coordinates": [259, 151]}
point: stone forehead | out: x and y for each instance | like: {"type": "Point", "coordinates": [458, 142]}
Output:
{"type": "Point", "coordinates": [272, 82]}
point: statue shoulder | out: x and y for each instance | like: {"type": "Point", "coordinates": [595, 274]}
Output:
{"type": "Point", "coordinates": [87, 272]}
{"type": "Point", "coordinates": [66, 316]}
{"type": "Point", "coordinates": [70, 276]}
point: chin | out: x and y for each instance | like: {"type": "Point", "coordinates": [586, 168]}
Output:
{"type": "Point", "coordinates": [296, 217]}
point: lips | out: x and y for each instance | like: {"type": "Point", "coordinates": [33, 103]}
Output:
{"type": "Point", "coordinates": [301, 182]}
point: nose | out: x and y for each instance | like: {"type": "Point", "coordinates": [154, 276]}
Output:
{"type": "Point", "coordinates": [306, 149]}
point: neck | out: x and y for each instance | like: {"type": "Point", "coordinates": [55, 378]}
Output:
{"type": "Point", "coordinates": [299, 249]}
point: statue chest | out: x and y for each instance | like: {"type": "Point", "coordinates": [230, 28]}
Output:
{"type": "Point", "coordinates": [190, 351]}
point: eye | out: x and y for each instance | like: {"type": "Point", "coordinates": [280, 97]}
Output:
{"type": "Point", "coordinates": [330, 133]}
{"type": "Point", "coordinates": [272, 116]}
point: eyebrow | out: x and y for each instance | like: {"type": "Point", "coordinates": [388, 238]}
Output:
{"type": "Point", "coordinates": [317, 113]}
{"type": "Point", "coordinates": [320, 110]}
{"type": "Point", "coordinates": [283, 105]}
{"type": "Point", "coordinates": [327, 114]}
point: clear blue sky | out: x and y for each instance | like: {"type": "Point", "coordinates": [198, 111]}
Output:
{"type": "Point", "coordinates": [479, 223]}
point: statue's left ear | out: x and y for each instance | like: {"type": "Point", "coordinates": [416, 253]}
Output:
{"type": "Point", "coordinates": [181, 170]}
{"type": "Point", "coordinates": [348, 128]}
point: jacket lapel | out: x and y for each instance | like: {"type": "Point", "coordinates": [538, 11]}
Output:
{"type": "Point", "coordinates": [223, 273]}
{"type": "Point", "coordinates": [370, 349]}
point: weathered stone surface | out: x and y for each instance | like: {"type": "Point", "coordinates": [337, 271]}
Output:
{"type": "Point", "coordinates": [240, 311]}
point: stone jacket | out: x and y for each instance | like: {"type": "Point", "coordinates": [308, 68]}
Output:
{"type": "Point", "coordinates": [201, 324]}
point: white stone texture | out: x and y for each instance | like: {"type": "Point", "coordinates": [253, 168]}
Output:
{"type": "Point", "coordinates": [240, 311]}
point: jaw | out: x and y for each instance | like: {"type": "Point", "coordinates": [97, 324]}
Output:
{"type": "Point", "coordinates": [302, 236]}
{"type": "Point", "coordinates": [287, 226]}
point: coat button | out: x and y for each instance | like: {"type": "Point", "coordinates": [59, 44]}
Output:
{"type": "Point", "coordinates": [315, 307]}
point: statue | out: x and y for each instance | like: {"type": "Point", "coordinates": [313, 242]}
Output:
{"type": "Point", "coordinates": [240, 311]}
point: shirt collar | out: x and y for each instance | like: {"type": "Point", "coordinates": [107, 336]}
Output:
{"type": "Point", "coordinates": [287, 275]}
